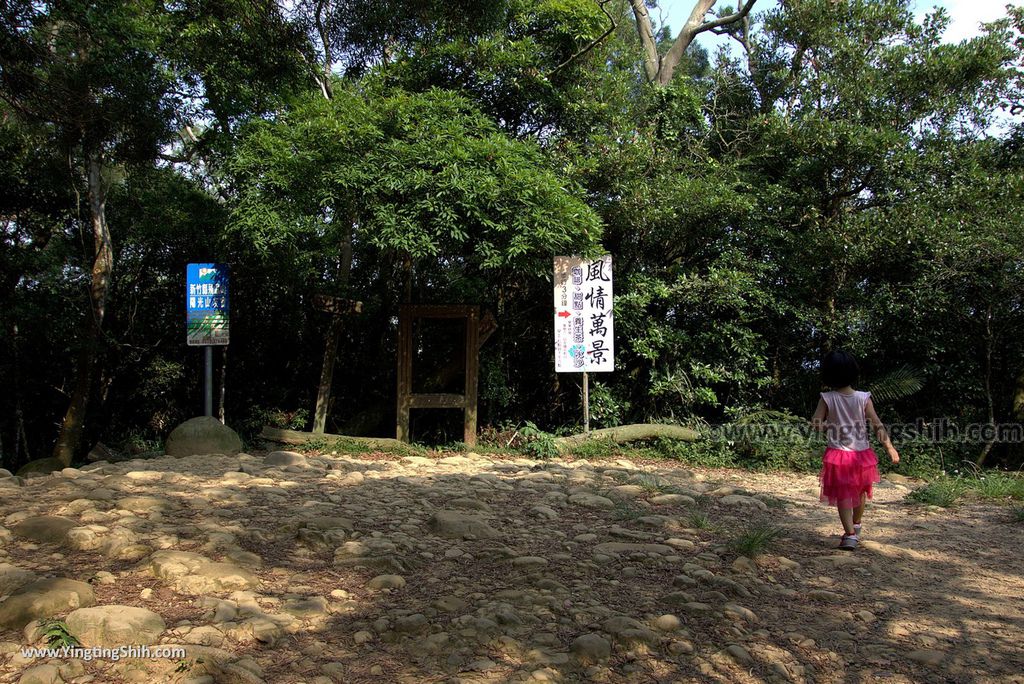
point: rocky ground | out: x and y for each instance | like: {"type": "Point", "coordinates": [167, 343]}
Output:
{"type": "Point", "coordinates": [285, 568]}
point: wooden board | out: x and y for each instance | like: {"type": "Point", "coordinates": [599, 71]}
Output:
{"type": "Point", "coordinates": [337, 305]}
{"type": "Point", "coordinates": [467, 401]}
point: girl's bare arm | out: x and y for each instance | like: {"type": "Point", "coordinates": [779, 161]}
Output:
{"type": "Point", "coordinates": [820, 413]}
{"type": "Point", "coordinates": [880, 431]}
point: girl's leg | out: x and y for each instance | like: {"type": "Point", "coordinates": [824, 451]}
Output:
{"type": "Point", "coordinates": [846, 517]}
{"type": "Point", "coordinates": [858, 512]}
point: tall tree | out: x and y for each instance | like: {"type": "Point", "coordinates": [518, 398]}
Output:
{"type": "Point", "coordinates": [660, 68]}
{"type": "Point", "coordinates": [116, 83]}
{"type": "Point", "coordinates": [88, 71]}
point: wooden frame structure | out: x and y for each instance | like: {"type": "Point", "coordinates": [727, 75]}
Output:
{"type": "Point", "coordinates": [466, 401]}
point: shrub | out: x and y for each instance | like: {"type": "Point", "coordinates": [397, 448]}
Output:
{"type": "Point", "coordinates": [537, 443]}
{"type": "Point", "coordinates": [707, 453]}
{"type": "Point", "coordinates": [57, 635]}
{"type": "Point", "coordinates": [596, 448]}
{"type": "Point", "coordinates": [921, 460]}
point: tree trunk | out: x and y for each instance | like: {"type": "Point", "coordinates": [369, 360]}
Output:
{"type": "Point", "coordinates": [323, 395]}
{"type": "Point", "coordinates": [1018, 398]}
{"type": "Point", "coordinates": [102, 271]}
{"type": "Point", "coordinates": [988, 389]}
{"type": "Point", "coordinates": [652, 61]}
{"type": "Point", "coordinates": [660, 69]}
{"type": "Point", "coordinates": [690, 30]}
{"type": "Point", "coordinates": [295, 437]}
{"type": "Point", "coordinates": [628, 433]}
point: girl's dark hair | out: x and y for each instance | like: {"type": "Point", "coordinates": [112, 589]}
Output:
{"type": "Point", "coordinates": [839, 369]}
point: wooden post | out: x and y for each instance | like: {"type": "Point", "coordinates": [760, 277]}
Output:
{"type": "Point", "coordinates": [477, 330]}
{"type": "Point", "coordinates": [472, 363]}
{"type": "Point", "coordinates": [586, 403]}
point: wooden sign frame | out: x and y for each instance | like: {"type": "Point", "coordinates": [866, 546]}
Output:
{"type": "Point", "coordinates": [467, 401]}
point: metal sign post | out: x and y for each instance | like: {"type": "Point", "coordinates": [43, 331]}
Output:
{"type": "Point", "coordinates": [584, 321]}
{"type": "Point", "coordinates": [207, 321]}
{"type": "Point", "coordinates": [208, 382]}
{"type": "Point", "coordinates": [586, 403]}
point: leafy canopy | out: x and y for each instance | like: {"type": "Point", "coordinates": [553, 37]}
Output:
{"type": "Point", "coordinates": [420, 173]}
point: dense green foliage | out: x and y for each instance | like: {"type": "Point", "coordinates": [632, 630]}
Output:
{"type": "Point", "coordinates": [842, 178]}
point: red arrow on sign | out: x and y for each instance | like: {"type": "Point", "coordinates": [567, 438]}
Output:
{"type": "Point", "coordinates": [564, 314]}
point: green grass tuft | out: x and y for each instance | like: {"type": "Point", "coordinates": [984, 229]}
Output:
{"type": "Point", "coordinates": [946, 491]}
{"type": "Point", "coordinates": [627, 511]}
{"type": "Point", "coordinates": [997, 485]}
{"type": "Point", "coordinates": [943, 491]}
{"type": "Point", "coordinates": [700, 520]}
{"type": "Point", "coordinates": [756, 540]}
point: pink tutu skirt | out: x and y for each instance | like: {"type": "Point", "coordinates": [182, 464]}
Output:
{"type": "Point", "coordinates": [845, 475]}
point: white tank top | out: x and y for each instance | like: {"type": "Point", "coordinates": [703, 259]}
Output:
{"type": "Point", "coordinates": [846, 424]}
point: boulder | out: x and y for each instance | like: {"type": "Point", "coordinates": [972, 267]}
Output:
{"type": "Point", "coordinates": [144, 504]}
{"type": "Point", "coordinates": [285, 458]}
{"type": "Point", "coordinates": [590, 649]}
{"type": "Point", "coordinates": [115, 626]}
{"type": "Point", "coordinates": [202, 435]}
{"type": "Point", "coordinates": [626, 547]}
{"type": "Point", "coordinates": [672, 500]}
{"type": "Point", "coordinates": [12, 577]}
{"type": "Point", "coordinates": [41, 674]}
{"type": "Point", "coordinates": [192, 573]}
{"type": "Point", "coordinates": [741, 501]}
{"type": "Point", "coordinates": [459, 525]}
{"type": "Point", "coordinates": [47, 529]}
{"type": "Point", "coordinates": [44, 598]}
{"type": "Point", "coordinates": [667, 623]}
{"type": "Point", "coordinates": [386, 582]}
{"type": "Point", "coordinates": [306, 606]}
{"type": "Point", "coordinates": [40, 466]}
{"type": "Point", "coordinates": [591, 500]}
{"type": "Point", "coordinates": [101, 452]}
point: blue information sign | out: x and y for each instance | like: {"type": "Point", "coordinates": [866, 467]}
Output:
{"type": "Point", "coordinates": [206, 302]}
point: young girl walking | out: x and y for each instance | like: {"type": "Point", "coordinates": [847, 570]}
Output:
{"type": "Point", "coordinates": [849, 466]}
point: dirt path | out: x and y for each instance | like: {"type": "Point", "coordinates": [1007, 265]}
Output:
{"type": "Point", "coordinates": [321, 569]}
{"type": "Point", "coordinates": [945, 587]}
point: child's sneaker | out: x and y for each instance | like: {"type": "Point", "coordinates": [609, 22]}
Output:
{"type": "Point", "coordinates": [848, 542]}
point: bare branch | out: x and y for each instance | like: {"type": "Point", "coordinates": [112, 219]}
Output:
{"type": "Point", "coordinates": [177, 158]}
{"type": "Point", "coordinates": [727, 19]}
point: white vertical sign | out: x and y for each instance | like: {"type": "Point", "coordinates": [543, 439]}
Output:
{"type": "Point", "coordinates": [584, 332]}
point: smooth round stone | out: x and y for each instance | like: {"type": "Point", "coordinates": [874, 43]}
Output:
{"type": "Point", "coordinates": [386, 582]}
